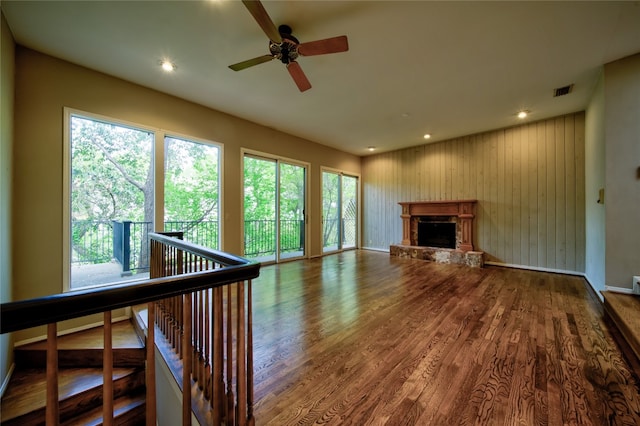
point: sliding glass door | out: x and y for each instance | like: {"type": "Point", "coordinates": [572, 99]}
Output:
{"type": "Point", "coordinates": [291, 191]}
{"type": "Point", "coordinates": [339, 211]}
{"type": "Point", "coordinates": [274, 209]}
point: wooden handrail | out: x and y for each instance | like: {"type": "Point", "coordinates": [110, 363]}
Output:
{"type": "Point", "coordinates": [186, 286]}
{"type": "Point", "coordinates": [29, 313]}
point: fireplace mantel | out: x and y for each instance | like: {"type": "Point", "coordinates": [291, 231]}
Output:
{"type": "Point", "coordinates": [463, 209]}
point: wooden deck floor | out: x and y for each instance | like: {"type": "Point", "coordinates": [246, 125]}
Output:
{"type": "Point", "coordinates": [363, 338]}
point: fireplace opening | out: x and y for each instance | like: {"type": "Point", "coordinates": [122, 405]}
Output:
{"type": "Point", "coordinates": [437, 234]}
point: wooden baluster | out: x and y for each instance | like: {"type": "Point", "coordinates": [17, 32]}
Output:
{"type": "Point", "coordinates": [250, 418]}
{"type": "Point", "coordinates": [153, 269]}
{"type": "Point", "coordinates": [186, 362]}
{"type": "Point", "coordinates": [197, 337]}
{"type": "Point", "coordinates": [52, 414]}
{"type": "Point", "coordinates": [230, 414]}
{"type": "Point", "coordinates": [217, 392]}
{"type": "Point", "coordinates": [195, 325]}
{"type": "Point", "coordinates": [207, 344]}
{"type": "Point", "coordinates": [164, 315]}
{"type": "Point", "coordinates": [180, 262]}
{"type": "Point", "coordinates": [107, 372]}
{"type": "Point", "coordinates": [201, 349]}
{"type": "Point", "coordinates": [180, 330]}
{"type": "Point", "coordinates": [165, 259]}
{"type": "Point", "coordinates": [151, 366]}
{"type": "Point", "coordinates": [173, 324]}
{"type": "Point", "coordinates": [241, 366]}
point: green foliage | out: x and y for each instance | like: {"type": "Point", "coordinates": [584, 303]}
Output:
{"type": "Point", "coordinates": [261, 178]}
{"type": "Point", "coordinates": [259, 189]}
{"type": "Point", "coordinates": [112, 179]}
{"type": "Point", "coordinates": [191, 181]}
{"type": "Point", "coordinates": [339, 209]}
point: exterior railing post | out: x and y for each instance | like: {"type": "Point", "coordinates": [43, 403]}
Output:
{"type": "Point", "coordinates": [126, 247]}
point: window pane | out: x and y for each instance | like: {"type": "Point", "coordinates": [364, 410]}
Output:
{"type": "Point", "coordinates": [191, 188]}
{"type": "Point", "coordinates": [330, 211]}
{"type": "Point", "coordinates": [111, 201]}
{"type": "Point", "coordinates": [292, 190]}
{"type": "Point", "coordinates": [259, 208]}
{"type": "Point", "coordinates": [349, 211]}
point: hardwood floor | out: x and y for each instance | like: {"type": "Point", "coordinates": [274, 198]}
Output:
{"type": "Point", "coordinates": [364, 338]}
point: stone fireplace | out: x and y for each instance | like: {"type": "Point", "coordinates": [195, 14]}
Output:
{"type": "Point", "coordinates": [441, 231]}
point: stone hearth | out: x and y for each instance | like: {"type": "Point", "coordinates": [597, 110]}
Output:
{"type": "Point", "coordinates": [475, 259]}
{"type": "Point", "coordinates": [460, 212]}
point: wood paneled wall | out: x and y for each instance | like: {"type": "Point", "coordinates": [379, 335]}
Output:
{"type": "Point", "coordinates": [528, 180]}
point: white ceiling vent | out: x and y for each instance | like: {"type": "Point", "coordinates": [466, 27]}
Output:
{"type": "Point", "coordinates": [561, 91]}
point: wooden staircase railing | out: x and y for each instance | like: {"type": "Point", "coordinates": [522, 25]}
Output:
{"type": "Point", "coordinates": [185, 297]}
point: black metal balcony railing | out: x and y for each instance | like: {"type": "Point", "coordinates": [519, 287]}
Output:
{"type": "Point", "coordinates": [127, 242]}
{"type": "Point", "coordinates": [260, 237]}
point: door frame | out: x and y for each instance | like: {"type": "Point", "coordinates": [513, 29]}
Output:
{"type": "Point", "coordinates": [341, 173]}
{"type": "Point", "coordinates": [279, 159]}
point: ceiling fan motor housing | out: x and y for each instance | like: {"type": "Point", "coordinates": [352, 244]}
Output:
{"type": "Point", "coordinates": [286, 51]}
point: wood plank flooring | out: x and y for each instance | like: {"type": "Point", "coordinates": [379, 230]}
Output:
{"type": "Point", "coordinates": [363, 338]}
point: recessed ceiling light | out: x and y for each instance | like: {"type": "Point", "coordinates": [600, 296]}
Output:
{"type": "Point", "coordinates": [168, 66]}
{"type": "Point", "coordinates": [427, 136]}
{"type": "Point", "coordinates": [372, 148]}
{"type": "Point", "coordinates": [523, 114]}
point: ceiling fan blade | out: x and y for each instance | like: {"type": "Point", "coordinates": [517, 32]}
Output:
{"type": "Point", "coordinates": [262, 18]}
{"type": "Point", "coordinates": [321, 47]}
{"type": "Point", "coordinates": [251, 62]}
{"type": "Point", "coordinates": [298, 76]}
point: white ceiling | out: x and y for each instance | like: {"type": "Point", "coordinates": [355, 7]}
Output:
{"type": "Point", "coordinates": [446, 68]}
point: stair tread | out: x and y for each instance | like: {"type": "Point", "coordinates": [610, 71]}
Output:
{"type": "Point", "coordinates": [27, 388]}
{"type": "Point", "coordinates": [626, 308]}
{"type": "Point", "coordinates": [121, 406]}
{"type": "Point", "coordinates": [123, 332]}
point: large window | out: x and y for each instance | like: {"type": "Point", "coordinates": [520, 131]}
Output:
{"type": "Point", "coordinates": [191, 202]}
{"type": "Point", "coordinates": [112, 189]}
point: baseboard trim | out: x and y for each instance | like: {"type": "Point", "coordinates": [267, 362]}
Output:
{"type": "Point", "coordinates": [5, 383]}
{"type": "Point", "coordinates": [376, 249]}
{"type": "Point", "coordinates": [622, 290]}
{"type": "Point", "coordinates": [535, 268]}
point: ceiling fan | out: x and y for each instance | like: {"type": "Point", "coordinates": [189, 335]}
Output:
{"type": "Point", "coordinates": [286, 48]}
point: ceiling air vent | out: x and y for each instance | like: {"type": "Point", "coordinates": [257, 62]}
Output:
{"type": "Point", "coordinates": [561, 91]}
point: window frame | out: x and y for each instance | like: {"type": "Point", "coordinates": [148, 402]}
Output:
{"type": "Point", "coordinates": [159, 136]}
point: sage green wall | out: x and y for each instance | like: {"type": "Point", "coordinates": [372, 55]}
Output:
{"type": "Point", "coordinates": [528, 180]}
{"type": "Point", "coordinates": [622, 168]}
{"type": "Point", "coordinates": [6, 148]}
{"type": "Point", "coordinates": [45, 85]}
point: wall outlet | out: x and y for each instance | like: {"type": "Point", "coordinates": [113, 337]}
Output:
{"type": "Point", "coordinates": [636, 285]}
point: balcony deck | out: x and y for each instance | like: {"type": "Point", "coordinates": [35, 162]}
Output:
{"type": "Point", "coordinates": [101, 273]}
